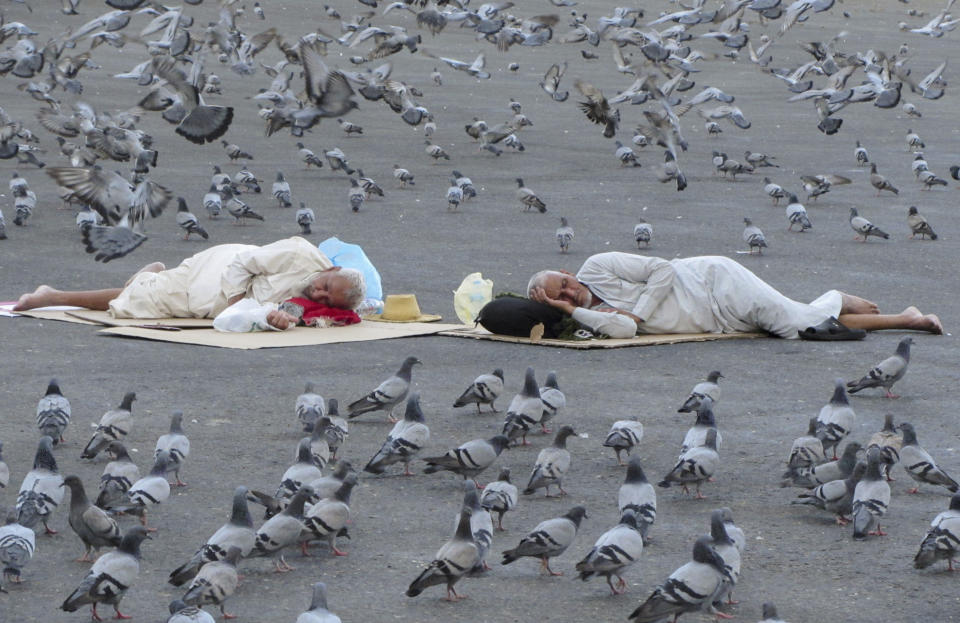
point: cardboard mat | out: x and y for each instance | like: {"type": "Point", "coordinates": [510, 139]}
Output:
{"type": "Point", "coordinates": [479, 333]}
{"type": "Point", "coordinates": [300, 336]}
{"type": "Point", "coordinates": [80, 315]}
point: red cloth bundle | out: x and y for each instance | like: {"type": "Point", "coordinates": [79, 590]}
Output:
{"type": "Point", "coordinates": [336, 315]}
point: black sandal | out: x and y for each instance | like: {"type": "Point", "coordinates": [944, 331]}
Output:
{"type": "Point", "coordinates": [831, 330]}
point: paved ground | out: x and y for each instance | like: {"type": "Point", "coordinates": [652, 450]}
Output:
{"type": "Point", "coordinates": [239, 405]}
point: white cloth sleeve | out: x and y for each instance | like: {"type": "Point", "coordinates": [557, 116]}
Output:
{"type": "Point", "coordinates": [659, 275]}
{"type": "Point", "coordinates": [266, 260]}
{"type": "Point", "coordinates": [610, 324]}
{"type": "Point", "coordinates": [651, 277]}
{"type": "Point", "coordinates": [245, 316]}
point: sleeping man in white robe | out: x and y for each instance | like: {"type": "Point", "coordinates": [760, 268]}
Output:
{"type": "Point", "coordinates": [622, 294]}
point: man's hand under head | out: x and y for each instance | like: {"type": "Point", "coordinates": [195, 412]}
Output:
{"type": "Point", "coordinates": [540, 295]}
{"type": "Point", "coordinates": [281, 319]}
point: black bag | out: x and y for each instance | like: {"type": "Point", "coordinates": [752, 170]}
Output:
{"type": "Point", "coordinates": [515, 316]}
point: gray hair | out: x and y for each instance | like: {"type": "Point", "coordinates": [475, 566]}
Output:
{"type": "Point", "coordinates": [539, 279]}
{"type": "Point", "coordinates": [358, 286]}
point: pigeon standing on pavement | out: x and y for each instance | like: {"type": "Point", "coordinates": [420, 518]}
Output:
{"type": "Point", "coordinates": [302, 472]}
{"type": "Point", "coordinates": [836, 419]}
{"type": "Point", "coordinates": [552, 463]}
{"type": "Point", "coordinates": [387, 395]}
{"type": "Point", "coordinates": [616, 549]}
{"type": "Point", "coordinates": [182, 613]}
{"type": "Point", "coordinates": [919, 225]}
{"type": "Point", "coordinates": [696, 465]}
{"type": "Point", "coordinates": [468, 459]}
{"type": "Point", "coordinates": [638, 495]}
{"type": "Point", "coordinates": [177, 446]}
{"type": "Point", "coordinates": [529, 199]}
{"type": "Point", "coordinates": [481, 525]}
{"type": "Point", "coordinates": [888, 441]}
{"type": "Point", "coordinates": [880, 182]}
{"type": "Point", "coordinates": [118, 475]}
{"type": "Point", "coordinates": [281, 191]}
{"type": "Point", "coordinates": [500, 496]}
{"type": "Point", "coordinates": [887, 372]}
{"type": "Point", "coordinates": [709, 388]}
{"type": "Point", "coordinates": [919, 464]}
{"type": "Point", "coordinates": [484, 390]}
{"type": "Point", "coordinates": [53, 413]}
{"type": "Point", "coordinates": [188, 222]}
{"type": "Point", "coordinates": [525, 410]}
{"type": "Point", "coordinates": [113, 426]}
{"type": "Point", "coordinates": [774, 191]}
{"type": "Point", "coordinates": [150, 490]}
{"type": "Point", "coordinates": [797, 214]}
{"type": "Point", "coordinates": [624, 435]}
{"type": "Point", "coordinates": [865, 228]}
{"type": "Point", "coordinates": [41, 491]}
{"type": "Point", "coordinates": [642, 233]}
{"type": "Point", "coordinates": [17, 544]}
{"type": "Point", "coordinates": [753, 236]}
{"type": "Point", "coordinates": [697, 434]}
{"type": "Point", "coordinates": [450, 563]}
{"type": "Point", "coordinates": [92, 524]}
{"type": "Point", "coordinates": [835, 496]}
{"type": "Point", "coordinates": [305, 218]}
{"type": "Point", "coordinates": [553, 400]}
{"type": "Point", "coordinates": [282, 530]}
{"type": "Point", "coordinates": [942, 541]}
{"type": "Point", "coordinates": [564, 235]}
{"type": "Point", "coordinates": [215, 582]}
{"type": "Point", "coordinates": [317, 612]}
{"type": "Point", "coordinates": [810, 477]}
{"type": "Point", "coordinates": [327, 518]}
{"type": "Point", "coordinates": [404, 442]}
{"type": "Point", "coordinates": [548, 539]}
{"type": "Point", "coordinates": [870, 499]}
{"type": "Point", "coordinates": [309, 407]}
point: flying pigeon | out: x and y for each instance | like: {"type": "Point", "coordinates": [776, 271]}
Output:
{"type": "Point", "coordinates": [887, 372]}
{"type": "Point", "coordinates": [387, 395]}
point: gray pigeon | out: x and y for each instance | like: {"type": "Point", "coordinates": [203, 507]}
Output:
{"type": "Point", "coordinates": [327, 486]}
{"type": "Point", "coordinates": [616, 549]}
{"type": "Point", "coordinates": [53, 413]}
{"type": "Point", "coordinates": [835, 496]}
{"type": "Point", "coordinates": [282, 530]}
{"type": "Point", "coordinates": [182, 613]}
{"type": "Point", "coordinates": [725, 547]}
{"type": "Point", "coordinates": [338, 429]}
{"type": "Point", "coordinates": [887, 372]}
{"type": "Point", "coordinates": [110, 576]}
{"type": "Point", "coordinates": [797, 214]}
{"type": "Point", "coordinates": [301, 473]}
{"type": "Point", "coordinates": [468, 459]}
{"type": "Point", "coordinates": [188, 222]}
{"type": "Point", "coordinates": [114, 426]}
{"type": "Point", "coordinates": [150, 490]}
{"type": "Point", "coordinates": [696, 465]}
{"type": "Point", "coordinates": [41, 491]}
{"type": "Point", "coordinates": [484, 390]}
{"type": "Point", "coordinates": [688, 589]}
{"type": "Point", "coordinates": [118, 475]}
{"type": "Point", "coordinates": [553, 400]}
{"type": "Point", "coordinates": [17, 544]}
{"type": "Point", "coordinates": [870, 500]}
{"type": "Point", "coordinates": [919, 464]}
{"type": "Point", "coordinates": [753, 236]}
{"type": "Point", "coordinates": [407, 438]}
{"type": "Point", "coordinates": [807, 450]}
{"type": "Point", "coordinates": [91, 523]}
{"type": "Point", "coordinates": [525, 410]}
{"type": "Point", "coordinates": [319, 446]}
{"type": "Point", "coordinates": [326, 519]}
{"type": "Point", "coordinates": [624, 435]}
{"type": "Point", "coordinates": [309, 407]}
{"type": "Point", "coordinates": [638, 495]}
{"type": "Point", "coordinates": [940, 542]}
{"type": "Point", "coordinates": [865, 228]}
{"type": "Point", "coordinates": [177, 446]}
{"type": "Point", "coordinates": [709, 388]}
{"type": "Point", "coordinates": [451, 562]}
{"type": "Point", "coordinates": [810, 477]}
{"type": "Point", "coordinates": [642, 233]}
{"type": "Point", "coordinates": [564, 235]}
{"type": "Point", "coordinates": [215, 582]}
{"type": "Point", "coordinates": [836, 419]}
{"type": "Point", "coordinates": [318, 613]}
{"type": "Point", "coordinates": [548, 539]}
{"type": "Point", "coordinates": [888, 441]}
{"type": "Point", "coordinates": [919, 225]}
{"type": "Point", "coordinates": [705, 422]}
{"type": "Point", "coordinates": [552, 463]}
{"type": "Point", "coordinates": [387, 395]}
{"type": "Point", "coordinates": [237, 532]}
{"type": "Point", "coordinates": [500, 496]}
{"type": "Point", "coordinates": [281, 191]}
{"type": "Point", "coordinates": [4, 470]}
{"type": "Point", "coordinates": [481, 526]}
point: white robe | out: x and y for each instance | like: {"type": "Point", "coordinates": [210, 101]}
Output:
{"type": "Point", "coordinates": [202, 284]}
{"type": "Point", "coordinates": [708, 294]}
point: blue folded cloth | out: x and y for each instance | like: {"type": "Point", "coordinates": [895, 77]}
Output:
{"type": "Point", "coordinates": [350, 255]}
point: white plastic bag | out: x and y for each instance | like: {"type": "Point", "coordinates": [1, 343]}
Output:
{"type": "Point", "coordinates": [474, 292]}
{"type": "Point", "coordinates": [245, 316]}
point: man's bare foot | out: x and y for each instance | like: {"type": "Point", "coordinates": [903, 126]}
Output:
{"type": "Point", "coordinates": [856, 305]}
{"type": "Point", "coordinates": [920, 322]}
{"type": "Point", "coordinates": [41, 297]}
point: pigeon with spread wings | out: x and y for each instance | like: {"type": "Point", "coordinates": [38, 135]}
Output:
{"type": "Point", "coordinates": [597, 108]}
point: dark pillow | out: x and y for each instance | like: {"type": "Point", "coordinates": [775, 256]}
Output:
{"type": "Point", "coordinates": [517, 316]}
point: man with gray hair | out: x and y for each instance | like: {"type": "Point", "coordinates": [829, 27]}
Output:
{"type": "Point", "coordinates": [621, 294]}
{"type": "Point", "coordinates": [206, 284]}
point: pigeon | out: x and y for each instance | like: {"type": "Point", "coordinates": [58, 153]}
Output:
{"type": "Point", "coordinates": [551, 82]}
{"type": "Point", "coordinates": [3, 227]}
{"type": "Point", "coordinates": [239, 209]}
{"type": "Point", "coordinates": [638, 495]}
{"type": "Point", "coordinates": [806, 451]}
{"type": "Point", "coordinates": [914, 141]}
{"type": "Point", "coordinates": [151, 489]}
{"type": "Point", "coordinates": [92, 524]}
{"type": "Point", "coordinates": [387, 395]}
{"type": "Point", "coordinates": [705, 422]}
{"type": "Point", "coordinates": [525, 410]}
{"type": "Point", "coordinates": [481, 526]}
{"type": "Point", "coordinates": [177, 446]}
{"type": "Point", "coordinates": [835, 496]}
{"type": "Point", "coordinates": [318, 613]}
{"type": "Point", "coordinates": [725, 547]}
{"type": "Point", "coordinates": [319, 446]}
{"type": "Point", "coordinates": [17, 544]}
{"type": "Point", "coordinates": [919, 225]}
{"type": "Point", "coordinates": [797, 214]}
{"type": "Point", "coordinates": [927, 178]}
{"type": "Point", "coordinates": [305, 218]}
{"type": "Point", "coordinates": [888, 441]}
{"type": "Point", "coordinates": [529, 199]}
{"type": "Point", "coordinates": [552, 463]}
{"type": "Point", "coordinates": [309, 407]}
{"type": "Point", "coordinates": [302, 472]}
{"type": "Point", "coordinates": [213, 202]}
{"type": "Point", "coordinates": [370, 187]}
{"type": "Point", "coordinates": [624, 435]}
{"type": "Point", "coordinates": [880, 182]}
{"type": "Point", "coordinates": [548, 539]}
{"type": "Point", "coordinates": [865, 228]}
{"type": "Point", "coordinates": [355, 195]}
{"type": "Point", "coordinates": [688, 589]}
{"type": "Point", "coordinates": [328, 518]}
{"type": "Point", "coordinates": [753, 236]}
{"type": "Point", "coordinates": [500, 496]}
{"type": "Point", "coordinates": [670, 170]}
{"type": "Point", "coordinates": [4, 470]}
{"type": "Point", "coordinates": [940, 542]}
{"type": "Point", "coordinates": [281, 191]}
{"type": "Point", "coordinates": [759, 159]}
{"type": "Point", "coordinates": [309, 158]}
{"type": "Point", "coordinates": [709, 388]}
{"type": "Point", "coordinates": [245, 181]}
{"type": "Point", "coordinates": [484, 390]}
{"type": "Point", "coordinates": [774, 191]}
{"type": "Point", "coordinates": [454, 197]}
{"type": "Point", "coordinates": [810, 477]}
{"type": "Point", "coordinates": [836, 419]}
{"type": "Point", "coordinates": [451, 562]}
{"type": "Point", "coordinates": [642, 233]}
{"type": "Point", "coordinates": [597, 108]}
{"type": "Point", "coordinates": [468, 459]}
{"type": "Point", "coordinates": [626, 155]}
{"type": "Point", "coordinates": [182, 613]}
{"type": "Point", "coordinates": [282, 530]}
{"type": "Point", "coordinates": [110, 576]}
{"type": "Point", "coordinates": [41, 491]}
{"type": "Point", "coordinates": [337, 430]}
{"type": "Point", "coordinates": [215, 582]}
{"type": "Point", "coordinates": [118, 475]}
{"type": "Point", "coordinates": [188, 222]}
{"type": "Point", "coordinates": [465, 184]}
{"type": "Point", "coordinates": [234, 152]}
{"type": "Point", "coordinates": [919, 464]}
{"type": "Point", "coordinates": [564, 235]}
{"type": "Point", "coordinates": [435, 151]}
{"type": "Point", "coordinates": [887, 372]}
{"type": "Point", "coordinates": [553, 400]}
{"type": "Point", "coordinates": [860, 154]}
{"type": "Point", "coordinates": [407, 438]}
{"type": "Point", "coordinates": [350, 128]}
{"type": "Point", "coordinates": [53, 413]}
{"type": "Point", "coordinates": [114, 426]}
{"type": "Point", "coordinates": [870, 500]}
{"type": "Point", "coordinates": [403, 176]}
{"type": "Point", "coordinates": [615, 550]}
{"type": "Point", "coordinates": [237, 532]}
{"type": "Point", "coordinates": [695, 466]}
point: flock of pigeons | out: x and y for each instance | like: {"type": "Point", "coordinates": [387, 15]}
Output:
{"type": "Point", "coordinates": [312, 507]}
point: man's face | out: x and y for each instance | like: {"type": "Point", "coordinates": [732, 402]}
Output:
{"type": "Point", "coordinates": [565, 287]}
{"type": "Point", "coordinates": [330, 289]}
